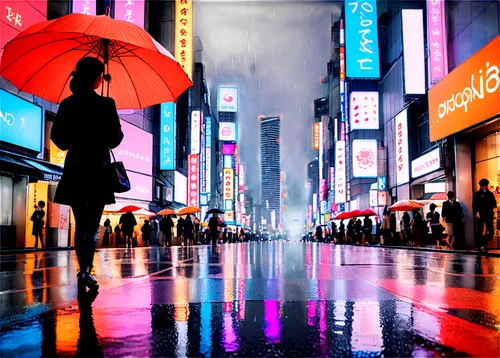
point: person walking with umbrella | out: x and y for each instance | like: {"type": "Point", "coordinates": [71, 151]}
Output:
{"type": "Point", "coordinates": [180, 230]}
{"type": "Point", "coordinates": [84, 184]}
{"type": "Point", "coordinates": [188, 230]}
{"type": "Point", "coordinates": [166, 227]}
{"type": "Point", "coordinates": [128, 223]}
{"type": "Point", "coordinates": [213, 226]}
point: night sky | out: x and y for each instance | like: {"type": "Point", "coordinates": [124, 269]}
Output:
{"type": "Point", "coordinates": [276, 54]}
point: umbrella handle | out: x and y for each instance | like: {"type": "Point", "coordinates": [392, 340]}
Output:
{"type": "Point", "coordinates": [107, 76]}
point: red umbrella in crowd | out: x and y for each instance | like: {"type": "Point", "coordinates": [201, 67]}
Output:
{"type": "Point", "coordinates": [342, 216]}
{"type": "Point", "coordinates": [368, 212]}
{"type": "Point", "coordinates": [130, 208]}
{"type": "Point", "coordinates": [405, 205]}
{"type": "Point", "coordinates": [40, 60]}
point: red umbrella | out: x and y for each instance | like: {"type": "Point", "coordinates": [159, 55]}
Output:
{"type": "Point", "coordinates": [40, 60]}
{"type": "Point", "coordinates": [405, 205]}
{"type": "Point", "coordinates": [355, 213]}
{"type": "Point", "coordinates": [368, 212]}
{"type": "Point", "coordinates": [130, 208]}
{"type": "Point", "coordinates": [342, 216]}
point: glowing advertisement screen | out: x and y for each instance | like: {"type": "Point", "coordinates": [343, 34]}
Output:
{"type": "Point", "coordinates": [363, 110]}
{"type": "Point", "coordinates": [340, 173]}
{"type": "Point", "coordinates": [228, 184]}
{"type": "Point", "coordinates": [130, 11]}
{"type": "Point", "coordinates": [167, 136]}
{"type": "Point", "coordinates": [17, 16]}
{"type": "Point", "coordinates": [141, 187]}
{"type": "Point", "coordinates": [184, 34]}
{"type": "Point", "coordinates": [362, 56]}
{"type": "Point", "coordinates": [20, 122]}
{"type": "Point", "coordinates": [228, 132]}
{"type": "Point", "coordinates": [402, 156]}
{"type": "Point", "coordinates": [413, 46]}
{"type": "Point", "coordinates": [227, 99]}
{"type": "Point", "coordinates": [364, 158]}
{"type": "Point", "coordinates": [85, 7]}
{"type": "Point", "coordinates": [193, 180]}
{"type": "Point", "coordinates": [180, 188]}
{"type": "Point", "coordinates": [195, 132]}
{"type": "Point", "coordinates": [136, 149]}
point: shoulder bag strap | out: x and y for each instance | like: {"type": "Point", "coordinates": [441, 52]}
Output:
{"type": "Point", "coordinates": [113, 155]}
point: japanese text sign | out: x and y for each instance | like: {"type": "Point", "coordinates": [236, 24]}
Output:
{"type": "Point", "coordinates": [362, 55]}
{"type": "Point", "coordinates": [195, 132]}
{"type": "Point", "coordinates": [18, 15]}
{"type": "Point", "coordinates": [85, 7]}
{"type": "Point", "coordinates": [332, 179]}
{"type": "Point", "coordinates": [470, 94]}
{"type": "Point", "coordinates": [20, 122]}
{"type": "Point", "coordinates": [184, 34]}
{"type": "Point", "coordinates": [193, 180]}
{"type": "Point", "coordinates": [241, 171]}
{"type": "Point", "coordinates": [136, 149]}
{"type": "Point", "coordinates": [402, 157]}
{"type": "Point", "coordinates": [228, 184]}
{"type": "Point", "coordinates": [426, 163]}
{"type": "Point", "coordinates": [130, 11]}
{"type": "Point", "coordinates": [208, 153]}
{"type": "Point", "coordinates": [316, 135]}
{"type": "Point", "coordinates": [364, 110]}
{"type": "Point", "coordinates": [340, 174]}
{"type": "Point", "coordinates": [364, 158]}
{"type": "Point", "coordinates": [167, 137]}
{"type": "Point", "coordinates": [436, 32]}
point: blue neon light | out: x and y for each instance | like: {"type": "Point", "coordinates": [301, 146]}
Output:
{"type": "Point", "coordinates": [167, 144]}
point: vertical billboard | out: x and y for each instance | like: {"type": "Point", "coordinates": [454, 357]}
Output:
{"type": "Point", "coordinates": [16, 16]}
{"type": "Point", "coordinates": [227, 99]}
{"type": "Point", "coordinates": [130, 11]}
{"type": "Point", "coordinates": [402, 156]}
{"type": "Point", "coordinates": [180, 188]}
{"type": "Point", "coordinates": [167, 136]}
{"type": "Point", "coordinates": [362, 56]}
{"type": "Point", "coordinates": [193, 180]}
{"type": "Point", "coordinates": [195, 132]}
{"type": "Point", "coordinates": [316, 135]}
{"type": "Point", "coordinates": [332, 178]}
{"type": "Point", "coordinates": [228, 184]}
{"type": "Point", "coordinates": [85, 7]}
{"type": "Point", "coordinates": [241, 173]}
{"type": "Point", "coordinates": [413, 51]}
{"type": "Point", "coordinates": [436, 33]}
{"type": "Point", "coordinates": [184, 34]}
{"type": "Point", "coordinates": [364, 158]}
{"type": "Point", "coordinates": [340, 174]}
{"type": "Point", "coordinates": [208, 153]}
{"type": "Point", "coordinates": [363, 110]}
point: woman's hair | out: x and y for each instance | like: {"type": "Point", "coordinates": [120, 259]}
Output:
{"type": "Point", "coordinates": [41, 204]}
{"type": "Point", "coordinates": [88, 69]}
{"type": "Point", "coordinates": [433, 206]}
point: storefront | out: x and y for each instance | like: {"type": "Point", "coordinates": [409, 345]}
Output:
{"type": "Point", "coordinates": [25, 179]}
{"type": "Point", "coordinates": [465, 107]}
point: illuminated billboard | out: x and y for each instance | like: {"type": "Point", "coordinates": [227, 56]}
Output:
{"type": "Point", "coordinates": [364, 158]}
{"type": "Point", "coordinates": [184, 34]}
{"type": "Point", "coordinates": [195, 132]}
{"type": "Point", "coordinates": [180, 188]}
{"type": "Point", "coordinates": [167, 136]}
{"type": "Point", "coordinates": [364, 110]}
{"type": "Point", "coordinates": [136, 149]}
{"type": "Point", "coordinates": [426, 163]}
{"type": "Point", "coordinates": [316, 135]}
{"type": "Point", "coordinates": [85, 7]}
{"type": "Point", "coordinates": [402, 156]}
{"type": "Point", "coordinates": [228, 132]}
{"type": "Point", "coordinates": [413, 51]}
{"type": "Point", "coordinates": [228, 184]}
{"type": "Point", "coordinates": [130, 11]}
{"type": "Point", "coordinates": [193, 180]}
{"type": "Point", "coordinates": [340, 173]}
{"type": "Point", "coordinates": [227, 99]}
{"type": "Point", "coordinates": [436, 34]}
{"type": "Point", "coordinates": [362, 56]}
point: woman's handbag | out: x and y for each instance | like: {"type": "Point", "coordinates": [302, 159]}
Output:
{"type": "Point", "coordinates": [118, 177]}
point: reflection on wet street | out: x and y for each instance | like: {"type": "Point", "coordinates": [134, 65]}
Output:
{"type": "Point", "coordinates": [257, 299]}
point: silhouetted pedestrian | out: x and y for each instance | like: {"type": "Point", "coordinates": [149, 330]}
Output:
{"type": "Point", "coordinates": [107, 232]}
{"type": "Point", "coordinates": [453, 215]}
{"type": "Point", "coordinates": [128, 223]}
{"type": "Point", "coordinates": [166, 228]}
{"type": "Point", "coordinates": [38, 223]}
{"type": "Point", "coordinates": [180, 230]}
{"type": "Point", "coordinates": [483, 205]}
{"type": "Point", "coordinates": [188, 231]}
{"type": "Point", "coordinates": [213, 225]}
{"type": "Point", "coordinates": [146, 233]}
{"type": "Point", "coordinates": [367, 229]}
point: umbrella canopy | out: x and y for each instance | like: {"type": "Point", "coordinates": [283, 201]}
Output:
{"type": "Point", "coordinates": [355, 213]}
{"type": "Point", "coordinates": [166, 212]}
{"type": "Point", "coordinates": [405, 205]}
{"type": "Point", "coordinates": [368, 212]}
{"type": "Point", "coordinates": [144, 212]}
{"type": "Point", "coordinates": [215, 211]}
{"type": "Point", "coordinates": [40, 60]}
{"type": "Point", "coordinates": [342, 216]}
{"type": "Point", "coordinates": [128, 208]}
{"type": "Point", "coordinates": [188, 210]}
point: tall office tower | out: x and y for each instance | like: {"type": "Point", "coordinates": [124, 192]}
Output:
{"type": "Point", "coordinates": [270, 164]}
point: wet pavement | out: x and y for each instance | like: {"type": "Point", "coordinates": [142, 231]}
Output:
{"type": "Point", "coordinates": [255, 299]}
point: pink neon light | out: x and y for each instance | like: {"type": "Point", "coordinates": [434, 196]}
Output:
{"type": "Point", "coordinates": [437, 40]}
{"type": "Point", "coordinates": [141, 187]}
{"type": "Point", "coordinates": [86, 7]}
{"type": "Point", "coordinates": [136, 149]}
{"type": "Point", "coordinates": [130, 11]}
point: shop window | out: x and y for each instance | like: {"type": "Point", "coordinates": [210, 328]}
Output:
{"type": "Point", "coordinates": [6, 200]}
{"type": "Point", "coordinates": [488, 159]}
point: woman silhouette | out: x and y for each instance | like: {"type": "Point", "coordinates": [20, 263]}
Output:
{"type": "Point", "coordinates": [87, 126]}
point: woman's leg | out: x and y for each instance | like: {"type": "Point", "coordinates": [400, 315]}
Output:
{"type": "Point", "coordinates": [80, 213]}
{"type": "Point", "coordinates": [36, 241]}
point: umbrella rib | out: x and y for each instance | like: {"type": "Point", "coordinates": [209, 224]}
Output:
{"type": "Point", "coordinates": [37, 71]}
{"type": "Point", "coordinates": [155, 72]}
{"type": "Point", "coordinates": [37, 47]}
{"type": "Point", "coordinates": [131, 80]}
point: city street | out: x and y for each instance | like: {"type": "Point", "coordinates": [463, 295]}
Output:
{"type": "Point", "coordinates": [255, 299]}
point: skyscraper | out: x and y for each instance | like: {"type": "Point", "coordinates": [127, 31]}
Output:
{"type": "Point", "coordinates": [270, 164]}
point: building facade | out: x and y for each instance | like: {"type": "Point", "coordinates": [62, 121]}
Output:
{"type": "Point", "coordinates": [270, 165]}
